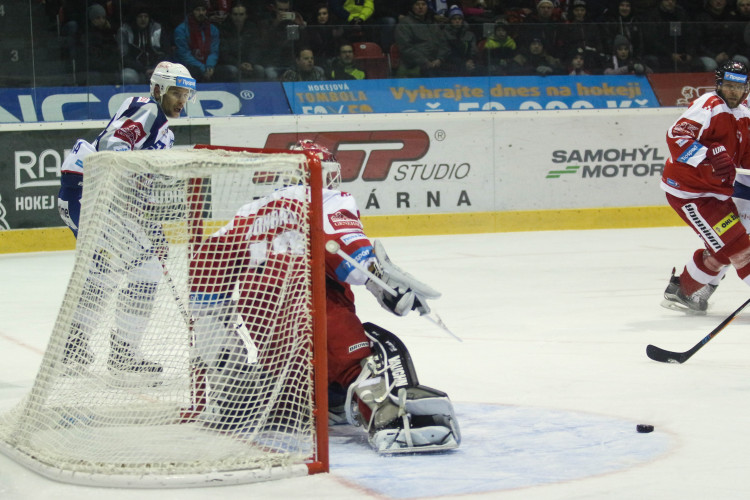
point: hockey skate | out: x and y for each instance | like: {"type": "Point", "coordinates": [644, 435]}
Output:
{"type": "Point", "coordinates": [77, 352]}
{"type": "Point", "coordinates": [126, 368]}
{"type": "Point", "coordinates": [676, 299]}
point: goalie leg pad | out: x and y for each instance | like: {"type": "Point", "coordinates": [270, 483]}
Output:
{"type": "Point", "coordinates": [399, 414]}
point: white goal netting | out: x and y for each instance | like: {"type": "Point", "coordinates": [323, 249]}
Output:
{"type": "Point", "coordinates": [183, 351]}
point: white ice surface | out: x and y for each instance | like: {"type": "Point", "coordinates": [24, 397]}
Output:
{"type": "Point", "coordinates": [549, 381]}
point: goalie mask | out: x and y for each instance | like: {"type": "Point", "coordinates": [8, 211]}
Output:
{"type": "Point", "coordinates": [331, 167]}
{"type": "Point", "coordinates": [167, 74]}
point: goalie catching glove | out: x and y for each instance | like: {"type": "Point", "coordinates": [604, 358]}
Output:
{"type": "Point", "coordinates": [399, 414]}
{"type": "Point", "coordinates": [411, 294]}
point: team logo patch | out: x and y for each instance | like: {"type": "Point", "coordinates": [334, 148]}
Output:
{"type": "Point", "coordinates": [686, 128]}
{"type": "Point", "coordinates": [344, 219]}
{"type": "Point", "coordinates": [726, 223]}
{"type": "Point", "coordinates": [130, 132]}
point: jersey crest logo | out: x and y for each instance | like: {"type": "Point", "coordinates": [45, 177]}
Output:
{"type": "Point", "coordinates": [344, 219]}
{"type": "Point", "coordinates": [686, 128]}
{"type": "Point", "coordinates": [130, 132]}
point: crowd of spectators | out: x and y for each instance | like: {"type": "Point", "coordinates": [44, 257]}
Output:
{"type": "Point", "coordinates": [120, 41]}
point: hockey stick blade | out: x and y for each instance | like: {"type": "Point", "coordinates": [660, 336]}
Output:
{"type": "Point", "coordinates": [664, 356]}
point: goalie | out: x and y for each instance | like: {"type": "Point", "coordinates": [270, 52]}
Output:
{"type": "Point", "coordinates": [372, 381]}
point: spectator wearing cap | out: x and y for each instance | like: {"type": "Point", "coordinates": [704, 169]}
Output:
{"type": "Point", "coordinates": [622, 61]}
{"type": "Point", "coordinates": [463, 45]}
{"type": "Point", "coordinates": [544, 24]}
{"type": "Point", "coordinates": [579, 33]}
{"type": "Point", "coordinates": [577, 63]}
{"type": "Point", "coordinates": [534, 60]}
{"type": "Point", "coordinates": [497, 51]}
{"type": "Point", "coordinates": [421, 43]}
{"type": "Point", "coordinates": [102, 63]}
{"type": "Point", "coordinates": [623, 20]}
{"type": "Point", "coordinates": [141, 41]}
{"type": "Point", "coordinates": [197, 41]}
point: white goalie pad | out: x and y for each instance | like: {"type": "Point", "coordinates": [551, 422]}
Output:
{"type": "Point", "coordinates": [411, 294]}
{"type": "Point", "coordinates": [399, 415]}
{"type": "Point", "coordinates": [426, 424]}
{"type": "Point", "coordinates": [222, 344]}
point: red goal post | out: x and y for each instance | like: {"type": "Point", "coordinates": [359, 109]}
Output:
{"type": "Point", "coordinates": [317, 245]}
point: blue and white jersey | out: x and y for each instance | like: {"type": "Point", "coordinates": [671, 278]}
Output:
{"type": "Point", "coordinates": [140, 123]}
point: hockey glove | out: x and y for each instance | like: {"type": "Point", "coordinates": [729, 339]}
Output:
{"type": "Point", "coordinates": [411, 294]}
{"type": "Point", "coordinates": [720, 160]}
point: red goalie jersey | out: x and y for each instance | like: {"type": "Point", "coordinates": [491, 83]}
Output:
{"type": "Point", "coordinates": [262, 245]}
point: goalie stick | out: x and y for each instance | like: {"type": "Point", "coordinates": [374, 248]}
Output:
{"type": "Point", "coordinates": [335, 248]}
{"type": "Point", "coordinates": [664, 356]}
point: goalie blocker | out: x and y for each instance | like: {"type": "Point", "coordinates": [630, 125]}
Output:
{"type": "Point", "coordinates": [399, 414]}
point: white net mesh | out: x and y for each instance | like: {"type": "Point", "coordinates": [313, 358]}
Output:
{"type": "Point", "coordinates": [179, 358]}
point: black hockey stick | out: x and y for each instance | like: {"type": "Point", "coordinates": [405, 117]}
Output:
{"type": "Point", "coordinates": [664, 356]}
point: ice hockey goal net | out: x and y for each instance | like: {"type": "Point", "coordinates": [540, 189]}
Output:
{"type": "Point", "coordinates": [156, 373]}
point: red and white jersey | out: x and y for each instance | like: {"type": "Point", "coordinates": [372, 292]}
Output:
{"type": "Point", "coordinates": [687, 173]}
{"type": "Point", "coordinates": [270, 227]}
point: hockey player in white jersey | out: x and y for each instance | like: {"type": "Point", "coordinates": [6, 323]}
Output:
{"type": "Point", "coordinates": [372, 381]}
{"type": "Point", "coordinates": [139, 123]}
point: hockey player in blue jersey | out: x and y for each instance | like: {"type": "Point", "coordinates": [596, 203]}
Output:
{"type": "Point", "coordinates": [139, 123]}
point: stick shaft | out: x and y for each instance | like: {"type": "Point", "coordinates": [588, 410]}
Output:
{"type": "Point", "coordinates": [664, 356]}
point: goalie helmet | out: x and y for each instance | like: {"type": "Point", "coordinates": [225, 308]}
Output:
{"type": "Point", "coordinates": [331, 166]}
{"type": "Point", "coordinates": [167, 74]}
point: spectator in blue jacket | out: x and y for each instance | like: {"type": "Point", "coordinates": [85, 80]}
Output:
{"type": "Point", "coordinates": [197, 42]}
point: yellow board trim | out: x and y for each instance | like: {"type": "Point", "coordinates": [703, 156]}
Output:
{"type": "Point", "coordinates": [60, 238]}
{"type": "Point", "coordinates": [521, 220]}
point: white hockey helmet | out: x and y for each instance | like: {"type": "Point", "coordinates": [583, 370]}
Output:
{"type": "Point", "coordinates": [168, 74]}
{"type": "Point", "coordinates": [331, 166]}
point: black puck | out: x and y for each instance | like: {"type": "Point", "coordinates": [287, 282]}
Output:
{"type": "Point", "coordinates": [644, 428]}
